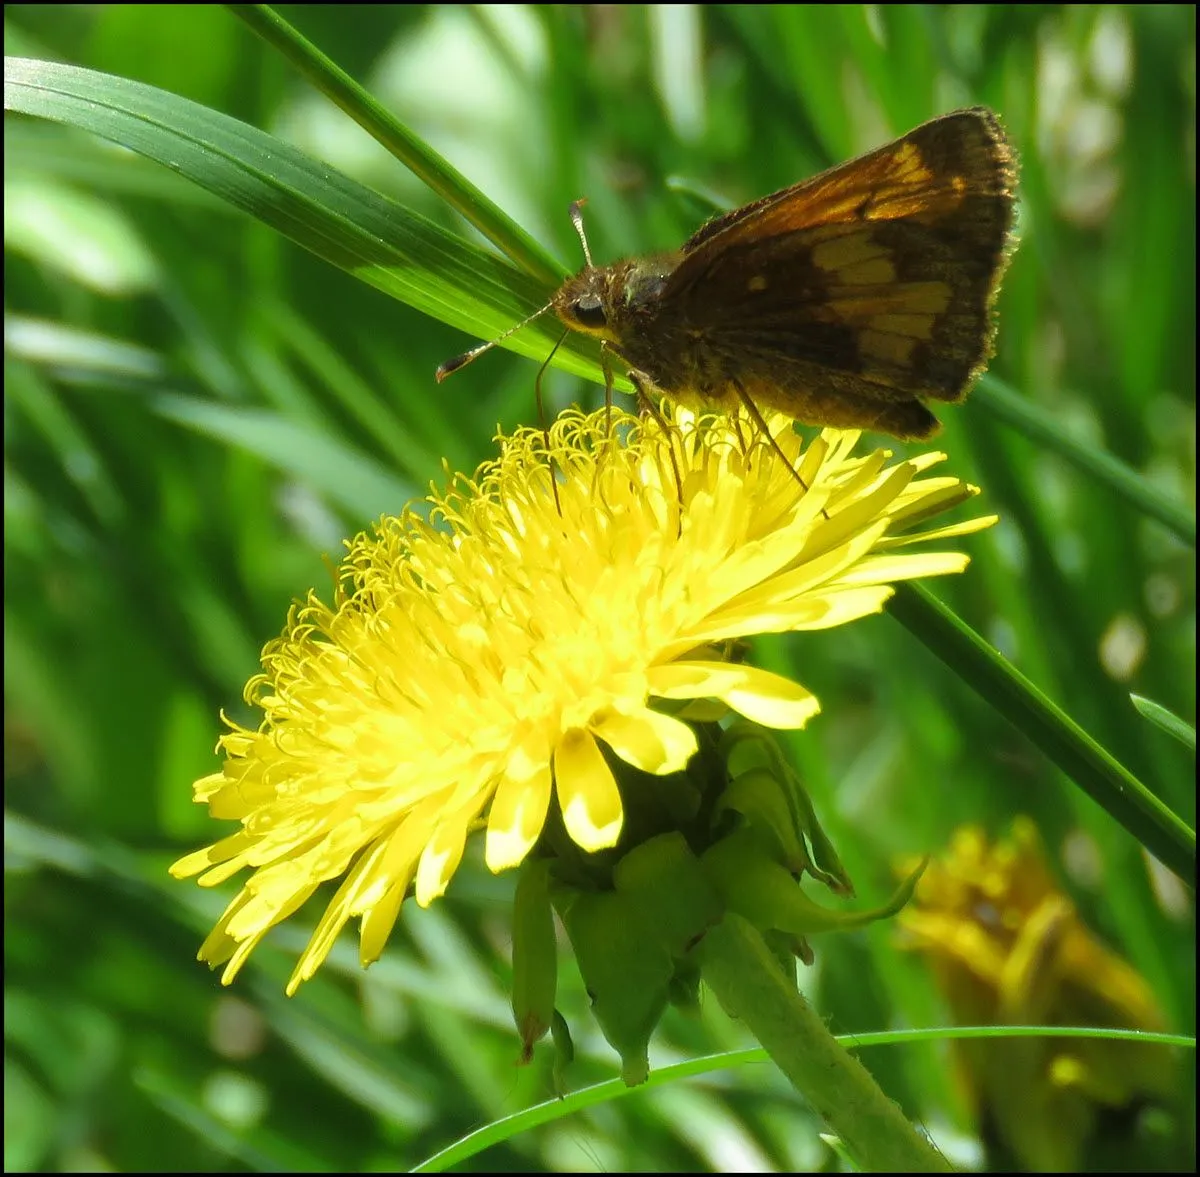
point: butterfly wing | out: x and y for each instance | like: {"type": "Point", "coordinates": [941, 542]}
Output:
{"type": "Point", "coordinates": [876, 277]}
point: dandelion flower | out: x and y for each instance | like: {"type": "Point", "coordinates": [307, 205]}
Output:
{"type": "Point", "coordinates": [1008, 947]}
{"type": "Point", "coordinates": [498, 649]}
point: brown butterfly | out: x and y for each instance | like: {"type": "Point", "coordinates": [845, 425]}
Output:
{"type": "Point", "coordinates": [848, 299]}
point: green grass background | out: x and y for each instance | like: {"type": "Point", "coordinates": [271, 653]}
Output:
{"type": "Point", "coordinates": [197, 411]}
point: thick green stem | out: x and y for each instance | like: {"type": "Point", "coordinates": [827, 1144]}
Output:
{"type": "Point", "coordinates": [746, 978]}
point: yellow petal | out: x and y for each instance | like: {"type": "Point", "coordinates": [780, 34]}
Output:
{"type": "Point", "coordinates": [377, 923]}
{"type": "Point", "coordinates": [328, 929]}
{"type": "Point", "coordinates": [818, 570]}
{"type": "Point", "coordinates": [441, 857]}
{"type": "Point", "coordinates": [648, 740]}
{"type": "Point", "coordinates": [766, 698]}
{"type": "Point", "coordinates": [517, 814]}
{"type": "Point", "coordinates": [824, 611]}
{"type": "Point", "coordinates": [864, 511]}
{"type": "Point", "coordinates": [877, 569]}
{"type": "Point", "coordinates": [838, 606]}
{"type": "Point", "coordinates": [587, 792]}
{"type": "Point", "coordinates": [228, 850]}
{"type": "Point", "coordinates": [937, 534]}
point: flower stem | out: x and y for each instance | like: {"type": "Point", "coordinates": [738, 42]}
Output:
{"type": "Point", "coordinates": [747, 980]}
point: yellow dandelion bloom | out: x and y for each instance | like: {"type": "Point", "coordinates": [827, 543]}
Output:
{"type": "Point", "coordinates": [479, 656]}
{"type": "Point", "coordinates": [1008, 948]}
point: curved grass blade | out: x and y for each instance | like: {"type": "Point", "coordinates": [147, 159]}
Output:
{"type": "Point", "coordinates": [367, 234]}
{"type": "Point", "coordinates": [504, 1129]}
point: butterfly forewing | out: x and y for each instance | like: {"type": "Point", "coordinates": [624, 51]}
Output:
{"type": "Point", "coordinates": [871, 283]}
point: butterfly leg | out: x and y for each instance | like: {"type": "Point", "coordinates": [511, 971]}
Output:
{"type": "Point", "coordinates": [606, 353]}
{"type": "Point", "coordinates": [758, 419]}
{"type": "Point", "coordinates": [642, 385]}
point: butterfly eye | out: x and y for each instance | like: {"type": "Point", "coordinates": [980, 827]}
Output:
{"type": "Point", "coordinates": [589, 311]}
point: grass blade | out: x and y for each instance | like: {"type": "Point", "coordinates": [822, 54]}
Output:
{"type": "Point", "coordinates": [1008, 406]}
{"type": "Point", "coordinates": [1158, 715]}
{"type": "Point", "coordinates": [1108, 782]}
{"type": "Point", "coordinates": [349, 225]}
{"type": "Point", "coordinates": [450, 184]}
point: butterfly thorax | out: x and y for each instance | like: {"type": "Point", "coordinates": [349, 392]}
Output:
{"type": "Point", "coordinates": [623, 305]}
{"type": "Point", "coordinates": [616, 302]}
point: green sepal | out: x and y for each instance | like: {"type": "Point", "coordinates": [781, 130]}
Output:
{"type": "Point", "coordinates": [782, 948]}
{"type": "Point", "coordinates": [684, 990]}
{"type": "Point", "coordinates": [748, 750]}
{"type": "Point", "coordinates": [677, 796]}
{"type": "Point", "coordinates": [535, 954]}
{"type": "Point", "coordinates": [758, 888]}
{"type": "Point", "coordinates": [631, 943]}
{"type": "Point", "coordinates": [564, 1052]}
{"type": "Point", "coordinates": [626, 969]}
{"type": "Point", "coordinates": [764, 802]}
{"type": "Point", "coordinates": [701, 711]}
{"type": "Point", "coordinates": [674, 898]}
{"type": "Point", "coordinates": [827, 867]}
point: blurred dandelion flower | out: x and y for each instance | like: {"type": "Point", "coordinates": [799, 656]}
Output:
{"type": "Point", "coordinates": [478, 662]}
{"type": "Point", "coordinates": [1008, 948]}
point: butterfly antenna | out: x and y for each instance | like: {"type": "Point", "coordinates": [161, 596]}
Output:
{"type": "Point", "coordinates": [576, 215]}
{"type": "Point", "coordinates": [462, 361]}
{"type": "Point", "coordinates": [541, 412]}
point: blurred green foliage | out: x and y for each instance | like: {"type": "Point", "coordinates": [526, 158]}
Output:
{"type": "Point", "coordinates": [197, 411]}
